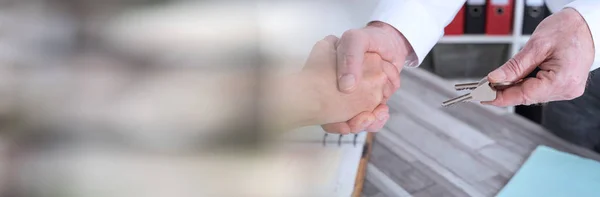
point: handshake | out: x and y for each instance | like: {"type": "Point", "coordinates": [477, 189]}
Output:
{"type": "Point", "coordinates": [345, 83]}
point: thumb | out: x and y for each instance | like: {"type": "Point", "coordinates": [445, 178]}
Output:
{"type": "Point", "coordinates": [350, 55]}
{"type": "Point", "coordinates": [520, 65]}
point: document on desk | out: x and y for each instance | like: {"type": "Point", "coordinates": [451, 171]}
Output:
{"type": "Point", "coordinates": [551, 173]}
{"type": "Point", "coordinates": [332, 163]}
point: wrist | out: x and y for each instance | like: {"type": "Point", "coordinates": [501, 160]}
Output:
{"type": "Point", "coordinates": [583, 33]}
{"type": "Point", "coordinates": [307, 100]}
{"type": "Point", "coordinates": [294, 101]}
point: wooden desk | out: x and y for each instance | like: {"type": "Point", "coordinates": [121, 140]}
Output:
{"type": "Point", "coordinates": [464, 150]}
{"type": "Point", "coordinates": [362, 168]}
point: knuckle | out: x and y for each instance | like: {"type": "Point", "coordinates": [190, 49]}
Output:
{"type": "Point", "coordinates": [331, 38]}
{"type": "Point", "coordinates": [352, 33]}
{"type": "Point", "coordinates": [321, 43]}
{"type": "Point", "coordinates": [514, 66]}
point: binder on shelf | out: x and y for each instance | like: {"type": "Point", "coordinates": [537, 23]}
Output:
{"type": "Point", "coordinates": [535, 12]}
{"type": "Point", "coordinates": [457, 26]}
{"type": "Point", "coordinates": [475, 17]}
{"type": "Point", "coordinates": [499, 17]}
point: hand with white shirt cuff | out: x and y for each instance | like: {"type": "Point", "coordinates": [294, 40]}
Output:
{"type": "Point", "coordinates": [380, 38]}
{"type": "Point", "coordinates": [563, 48]}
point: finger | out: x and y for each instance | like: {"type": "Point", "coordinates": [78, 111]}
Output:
{"type": "Point", "coordinates": [393, 74]}
{"type": "Point", "coordinates": [352, 47]}
{"type": "Point", "coordinates": [333, 40]}
{"type": "Point", "coordinates": [531, 91]}
{"type": "Point", "coordinates": [361, 121]}
{"type": "Point", "coordinates": [382, 114]}
{"type": "Point", "coordinates": [521, 64]}
{"type": "Point", "coordinates": [377, 125]}
{"type": "Point", "coordinates": [339, 128]}
{"type": "Point", "coordinates": [509, 97]}
{"type": "Point", "coordinates": [322, 52]}
{"type": "Point", "coordinates": [388, 91]}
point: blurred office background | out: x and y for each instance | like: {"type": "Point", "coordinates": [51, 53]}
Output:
{"type": "Point", "coordinates": [152, 97]}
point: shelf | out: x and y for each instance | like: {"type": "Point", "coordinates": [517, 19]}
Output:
{"type": "Point", "coordinates": [524, 39]}
{"type": "Point", "coordinates": [476, 39]}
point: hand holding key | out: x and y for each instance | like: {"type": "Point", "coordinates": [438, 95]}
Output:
{"type": "Point", "coordinates": [481, 91]}
{"type": "Point", "coordinates": [562, 48]}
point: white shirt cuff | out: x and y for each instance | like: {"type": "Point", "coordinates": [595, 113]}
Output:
{"type": "Point", "coordinates": [589, 10]}
{"type": "Point", "coordinates": [413, 20]}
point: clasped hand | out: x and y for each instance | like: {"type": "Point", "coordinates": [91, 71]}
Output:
{"type": "Point", "coordinates": [312, 97]}
{"type": "Point", "coordinates": [367, 94]}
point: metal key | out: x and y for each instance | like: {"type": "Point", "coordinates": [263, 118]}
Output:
{"type": "Point", "coordinates": [483, 92]}
{"type": "Point", "coordinates": [466, 86]}
{"type": "Point", "coordinates": [473, 85]}
{"type": "Point", "coordinates": [469, 86]}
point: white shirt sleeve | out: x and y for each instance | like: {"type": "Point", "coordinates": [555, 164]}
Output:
{"type": "Point", "coordinates": [422, 22]}
{"type": "Point", "coordinates": [590, 11]}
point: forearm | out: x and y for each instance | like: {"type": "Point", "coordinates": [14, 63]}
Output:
{"type": "Point", "coordinates": [289, 102]}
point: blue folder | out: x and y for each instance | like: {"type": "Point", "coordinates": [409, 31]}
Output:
{"type": "Point", "coordinates": [551, 173]}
